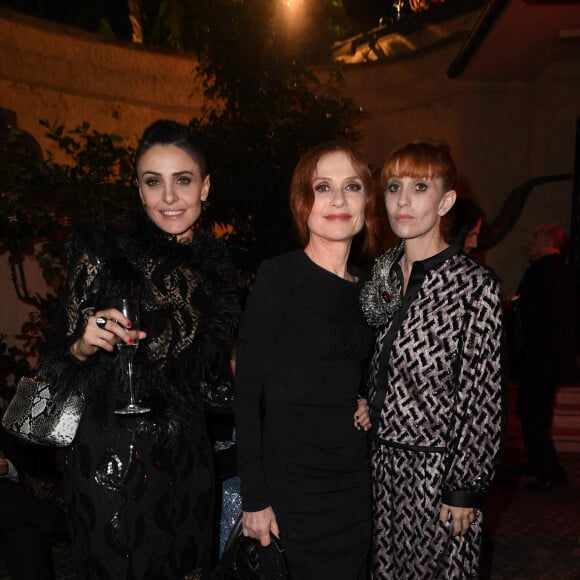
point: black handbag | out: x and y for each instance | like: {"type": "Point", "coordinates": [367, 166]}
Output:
{"type": "Point", "coordinates": [216, 387]}
{"type": "Point", "coordinates": [38, 415]}
{"type": "Point", "coordinates": [218, 395]}
{"type": "Point", "coordinates": [243, 558]}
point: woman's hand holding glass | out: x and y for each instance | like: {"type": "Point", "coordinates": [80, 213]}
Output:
{"type": "Point", "coordinates": [110, 329]}
{"type": "Point", "coordinates": [128, 306]}
{"type": "Point", "coordinates": [116, 328]}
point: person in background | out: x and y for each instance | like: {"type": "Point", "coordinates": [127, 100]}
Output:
{"type": "Point", "coordinates": [435, 381]}
{"type": "Point", "coordinates": [139, 488]}
{"type": "Point", "coordinates": [462, 224]}
{"type": "Point", "coordinates": [28, 524]}
{"type": "Point", "coordinates": [547, 314]}
{"type": "Point", "coordinates": [301, 358]}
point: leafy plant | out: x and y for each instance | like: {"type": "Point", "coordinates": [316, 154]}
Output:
{"type": "Point", "coordinates": [39, 200]}
{"type": "Point", "coordinates": [266, 106]}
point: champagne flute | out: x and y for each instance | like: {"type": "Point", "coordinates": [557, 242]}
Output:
{"type": "Point", "coordinates": [130, 309]}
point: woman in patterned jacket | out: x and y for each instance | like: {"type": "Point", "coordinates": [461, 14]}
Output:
{"type": "Point", "coordinates": [435, 387]}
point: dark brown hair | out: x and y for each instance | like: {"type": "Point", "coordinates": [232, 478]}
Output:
{"type": "Point", "coordinates": [168, 132]}
{"type": "Point", "coordinates": [302, 191]}
{"type": "Point", "coordinates": [460, 220]}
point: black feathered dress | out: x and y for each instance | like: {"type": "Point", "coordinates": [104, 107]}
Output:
{"type": "Point", "coordinates": [139, 489]}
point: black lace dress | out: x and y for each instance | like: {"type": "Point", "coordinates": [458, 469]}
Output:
{"type": "Point", "coordinates": [139, 490]}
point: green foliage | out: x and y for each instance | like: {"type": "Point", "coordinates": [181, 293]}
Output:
{"type": "Point", "coordinates": [39, 201]}
{"type": "Point", "coordinates": [267, 106]}
{"type": "Point", "coordinates": [13, 363]}
{"type": "Point", "coordinates": [98, 181]}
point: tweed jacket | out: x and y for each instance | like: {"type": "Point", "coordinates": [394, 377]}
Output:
{"type": "Point", "coordinates": [437, 362]}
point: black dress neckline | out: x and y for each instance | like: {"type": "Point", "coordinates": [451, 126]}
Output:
{"type": "Point", "coordinates": [334, 276]}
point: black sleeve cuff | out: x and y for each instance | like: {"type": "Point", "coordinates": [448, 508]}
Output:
{"type": "Point", "coordinates": [461, 498]}
{"type": "Point", "coordinates": [252, 485]}
{"type": "Point", "coordinates": [254, 506]}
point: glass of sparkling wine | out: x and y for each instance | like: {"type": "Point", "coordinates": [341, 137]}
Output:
{"type": "Point", "coordinates": [130, 309]}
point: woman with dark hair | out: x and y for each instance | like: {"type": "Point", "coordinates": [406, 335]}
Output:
{"type": "Point", "coordinates": [139, 488]}
{"type": "Point", "coordinates": [435, 385]}
{"type": "Point", "coordinates": [462, 224]}
{"type": "Point", "coordinates": [301, 352]}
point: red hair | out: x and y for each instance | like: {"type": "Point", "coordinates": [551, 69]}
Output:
{"type": "Point", "coordinates": [421, 159]}
{"type": "Point", "coordinates": [302, 192]}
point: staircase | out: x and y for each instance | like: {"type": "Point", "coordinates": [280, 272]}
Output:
{"type": "Point", "coordinates": [565, 423]}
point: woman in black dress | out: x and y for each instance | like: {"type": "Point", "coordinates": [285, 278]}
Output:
{"type": "Point", "coordinates": [302, 349]}
{"type": "Point", "coordinates": [139, 488]}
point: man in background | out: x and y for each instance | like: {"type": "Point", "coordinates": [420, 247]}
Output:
{"type": "Point", "coordinates": [547, 355]}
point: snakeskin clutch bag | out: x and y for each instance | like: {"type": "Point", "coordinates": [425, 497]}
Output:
{"type": "Point", "coordinates": [36, 415]}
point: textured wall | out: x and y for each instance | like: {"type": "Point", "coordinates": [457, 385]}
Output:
{"type": "Point", "coordinates": [501, 134]}
{"type": "Point", "coordinates": [68, 76]}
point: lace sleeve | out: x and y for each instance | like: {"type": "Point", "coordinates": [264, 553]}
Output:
{"type": "Point", "coordinates": [78, 301]}
{"type": "Point", "coordinates": [80, 294]}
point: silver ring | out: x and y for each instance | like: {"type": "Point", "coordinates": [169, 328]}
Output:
{"type": "Point", "coordinates": [101, 321]}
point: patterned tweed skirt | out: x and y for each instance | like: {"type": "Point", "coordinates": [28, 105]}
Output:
{"type": "Point", "coordinates": [409, 541]}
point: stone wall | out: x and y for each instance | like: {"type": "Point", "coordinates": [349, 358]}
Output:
{"type": "Point", "coordinates": [501, 134]}
{"type": "Point", "coordinates": [68, 76]}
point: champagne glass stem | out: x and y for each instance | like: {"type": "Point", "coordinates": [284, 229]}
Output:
{"type": "Point", "coordinates": [130, 373]}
